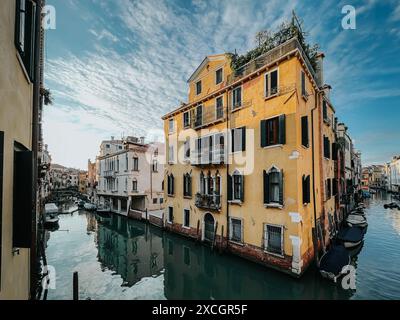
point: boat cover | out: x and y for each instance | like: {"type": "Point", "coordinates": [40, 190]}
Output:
{"type": "Point", "coordinates": [334, 260]}
{"type": "Point", "coordinates": [351, 234]}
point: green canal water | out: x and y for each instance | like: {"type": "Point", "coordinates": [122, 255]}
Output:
{"type": "Point", "coordinates": [125, 259]}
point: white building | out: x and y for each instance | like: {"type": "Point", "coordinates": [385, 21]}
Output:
{"type": "Point", "coordinates": [394, 174]}
{"type": "Point", "coordinates": [130, 175]}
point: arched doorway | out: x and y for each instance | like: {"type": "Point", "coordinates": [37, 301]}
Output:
{"type": "Point", "coordinates": [209, 227]}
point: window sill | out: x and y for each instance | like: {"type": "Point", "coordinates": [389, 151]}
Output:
{"type": "Point", "coordinates": [186, 227]}
{"type": "Point", "coordinates": [238, 202]}
{"type": "Point", "coordinates": [305, 147]}
{"type": "Point", "coordinates": [169, 222]}
{"type": "Point", "coordinates": [305, 97]}
{"type": "Point", "coordinates": [271, 96]}
{"type": "Point", "coordinates": [273, 205]}
{"type": "Point", "coordinates": [187, 197]}
{"type": "Point", "coordinates": [236, 242]}
{"type": "Point", "coordinates": [236, 108]}
{"type": "Point", "coordinates": [171, 195]}
{"type": "Point", "coordinates": [279, 145]}
{"type": "Point", "coordinates": [275, 254]}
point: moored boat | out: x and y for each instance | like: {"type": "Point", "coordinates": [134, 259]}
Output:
{"type": "Point", "coordinates": [351, 236]}
{"type": "Point", "coordinates": [333, 261]}
{"type": "Point", "coordinates": [89, 206]}
{"type": "Point", "coordinates": [50, 208]}
{"type": "Point", "coordinates": [356, 221]}
{"type": "Point", "coordinates": [51, 222]}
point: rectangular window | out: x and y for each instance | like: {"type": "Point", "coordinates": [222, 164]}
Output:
{"type": "Point", "coordinates": [219, 108]}
{"type": "Point", "coordinates": [171, 154]}
{"type": "Point", "coordinates": [186, 119]}
{"type": "Point", "coordinates": [199, 116]}
{"type": "Point", "coordinates": [154, 200]}
{"type": "Point", "coordinates": [238, 139]}
{"type": "Point", "coordinates": [155, 165]}
{"type": "Point", "coordinates": [187, 185]}
{"type": "Point", "coordinates": [304, 131]}
{"type": "Point", "coordinates": [218, 76]}
{"type": "Point", "coordinates": [161, 200]}
{"type": "Point", "coordinates": [235, 230]}
{"type": "Point", "coordinates": [324, 110]}
{"type": "Point", "coordinates": [198, 87]}
{"type": "Point", "coordinates": [1, 195]}
{"type": "Point", "coordinates": [303, 84]}
{"type": "Point", "coordinates": [306, 189]}
{"type": "Point", "coordinates": [273, 131]}
{"type": "Point", "coordinates": [134, 185]}
{"type": "Point", "coordinates": [273, 236]}
{"type": "Point", "coordinates": [334, 187]}
{"type": "Point", "coordinates": [238, 190]}
{"type": "Point", "coordinates": [22, 197]}
{"type": "Point", "coordinates": [186, 149]}
{"type": "Point", "coordinates": [237, 98]}
{"type": "Point", "coordinates": [271, 83]}
{"type": "Point", "coordinates": [170, 214]}
{"type": "Point", "coordinates": [186, 218]}
{"type": "Point", "coordinates": [327, 145]}
{"type": "Point", "coordinates": [171, 125]}
{"type": "Point", "coordinates": [25, 36]}
{"type": "Point", "coordinates": [170, 185]}
{"type": "Point", "coordinates": [135, 164]}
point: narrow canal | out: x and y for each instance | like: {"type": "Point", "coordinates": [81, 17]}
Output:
{"type": "Point", "coordinates": [125, 259]}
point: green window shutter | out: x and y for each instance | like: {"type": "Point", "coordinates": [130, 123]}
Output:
{"type": "Point", "coordinates": [233, 140]}
{"type": "Point", "coordinates": [242, 188]}
{"type": "Point", "coordinates": [304, 131]}
{"type": "Point", "coordinates": [172, 184]}
{"type": "Point", "coordinates": [266, 187]}
{"type": "Point", "coordinates": [281, 187]}
{"type": "Point", "coordinates": [190, 185]}
{"type": "Point", "coordinates": [282, 129]}
{"type": "Point", "coordinates": [263, 127]}
{"type": "Point", "coordinates": [229, 186]}
{"type": "Point", "coordinates": [243, 138]}
{"type": "Point", "coordinates": [266, 85]}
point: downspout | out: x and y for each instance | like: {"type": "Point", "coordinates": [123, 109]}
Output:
{"type": "Point", "coordinates": [35, 137]}
{"type": "Point", "coordinates": [314, 232]}
{"type": "Point", "coordinates": [227, 167]}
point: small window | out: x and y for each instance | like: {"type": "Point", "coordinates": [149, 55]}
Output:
{"type": "Point", "coordinates": [161, 200]}
{"type": "Point", "coordinates": [324, 110]}
{"type": "Point", "coordinates": [327, 146]}
{"type": "Point", "coordinates": [186, 119]}
{"type": "Point", "coordinates": [303, 85]}
{"type": "Point", "coordinates": [236, 231]}
{"type": "Point", "coordinates": [155, 165]}
{"type": "Point", "coordinates": [238, 190]}
{"type": "Point", "coordinates": [273, 187]}
{"type": "Point", "coordinates": [170, 186]}
{"type": "Point", "coordinates": [306, 189]}
{"type": "Point", "coordinates": [135, 164]}
{"type": "Point", "coordinates": [237, 98]}
{"type": "Point", "coordinates": [271, 83]}
{"type": "Point", "coordinates": [154, 200]}
{"type": "Point", "coordinates": [171, 155]}
{"type": "Point", "coordinates": [273, 131]}
{"type": "Point", "coordinates": [218, 76]}
{"type": "Point", "coordinates": [199, 116]}
{"type": "Point", "coordinates": [170, 214]}
{"type": "Point", "coordinates": [274, 239]}
{"type": "Point", "coordinates": [198, 87]}
{"type": "Point", "coordinates": [134, 185]}
{"type": "Point", "coordinates": [186, 218]}
{"type": "Point", "coordinates": [171, 125]}
{"type": "Point", "coordinates": [219, 108]}
{"type": "Point", "coordinates": [187, 185]}
{"type": "Point", "coordinates": [238, 139]}
{"type": "Point", "coordinates": [304, 131]}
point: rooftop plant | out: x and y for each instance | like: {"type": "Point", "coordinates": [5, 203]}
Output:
{"type": "Point", "coordinates": [267, 40]}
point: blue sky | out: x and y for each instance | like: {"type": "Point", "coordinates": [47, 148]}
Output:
{"type": "Point", "coordinates": [115, 67]}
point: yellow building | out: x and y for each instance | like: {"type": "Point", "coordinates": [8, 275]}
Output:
{"type": "Point", "coordinates": [250, 164]}
{"type": "Point", "coordinates": [20, 79]}
{"type": "Point", "coordinates": [83, 181]}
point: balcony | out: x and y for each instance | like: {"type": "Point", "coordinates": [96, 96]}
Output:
{"type": "Point", "coordinates": [109, 174]}
{"type": "Point", "coordinates": [269, 57]}
{"type": "Point", "coordinates": [209, 116]}
{"type": "Point", "coordinates": [208, 201]}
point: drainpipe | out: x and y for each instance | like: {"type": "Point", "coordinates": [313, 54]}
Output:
{"type": "Point", "coordinates": [35, 137]}
{"type": "Point", "coordinates": [227, 167]}
{"type": "Point", "coordinates": [314, 233]}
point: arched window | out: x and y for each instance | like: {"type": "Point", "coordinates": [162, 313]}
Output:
{"type": "Point", "coordinates": [187, 185]}
{"type": "Point", "coordinates": [236, 186]}
{"type": "Point", "coordinates": [273, 186]}
{"type": "Point", "coordinates": [134, 185]}
{"type": "Point", "coordinates": [170, 187]}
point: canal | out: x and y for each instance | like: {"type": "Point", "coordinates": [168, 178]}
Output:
{"type": "Point", "coordinates": [118, 258]}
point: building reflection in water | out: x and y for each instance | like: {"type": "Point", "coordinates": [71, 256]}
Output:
{"type": "Point", "coordinates": [136, 250]}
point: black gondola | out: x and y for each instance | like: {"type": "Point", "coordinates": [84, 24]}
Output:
{"type": "Point", "coordinates": [332, 262]}
{"type": "Point", "coordinates": [351, 236]}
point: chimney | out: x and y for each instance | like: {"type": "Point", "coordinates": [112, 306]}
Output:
{"type": "Point", "coordinates": [320, 68]}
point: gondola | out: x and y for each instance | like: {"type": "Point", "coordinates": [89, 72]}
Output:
{"type": "Point", "coordinates": [332, 262]}
{"type": "Point", "coordinates": [351, 236]}
{"type": "Point", "coordinates": [51, 222]}
{"type": "Point", "coordinates": [356, 221]}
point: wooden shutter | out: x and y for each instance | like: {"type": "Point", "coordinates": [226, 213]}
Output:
{"type": "Point", "coordinates": [334, 151]}
{"type": "Point", "coordinates": [233, 140]}
{"type": "Point", "coordinates": [189, 185]}
{"type": "Point", "coordinates": [281, 187]}
{"type": "Point", "coordinates": [242, 188]}
{"type": "Point", "coordinates": [184, 185]}
{"type": "Point", "coordinates": [282, 129]}
{"type": "Point", "coordinates": [266, 186]}
{"type": "Point", "coordinates": [304, 131]}
{"type": "Point", "coordinates": [172, 184]}
{"type": "Point", "coordinates": [23, 199]}
{"type": "Point", "coordinates": [243, 138]}
{"type": "Point", "coordinates": [266, 85]}
{"type": "Point", "coordinates": [229, 187]}
{"type": "Point", "coordinates": [263, 130]}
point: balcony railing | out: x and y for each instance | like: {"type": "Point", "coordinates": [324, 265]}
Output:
{"type": "Point", "coordinates": [208, 201]}
{"type": "Point", "coordinates": [269, 57]}
{"type": "Point", "coordinates": [109, 174]}
{"type": "Point", "coordinates": [210, 115]}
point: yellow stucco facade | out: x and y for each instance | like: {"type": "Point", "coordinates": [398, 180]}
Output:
{"type": "Point", "coordinates": [291, 159]}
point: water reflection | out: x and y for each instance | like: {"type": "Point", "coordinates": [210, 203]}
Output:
{"type": "Point", "coordinates": [120, 258]}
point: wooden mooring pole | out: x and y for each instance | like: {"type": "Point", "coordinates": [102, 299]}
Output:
{"type": "Point", "coordinates": [75, 286]}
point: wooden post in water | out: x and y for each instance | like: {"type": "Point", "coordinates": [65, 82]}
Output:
{"type": "Point", "coordinates": [197, 231]}
{"type": "Point", "coordinates": [75, 286]}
